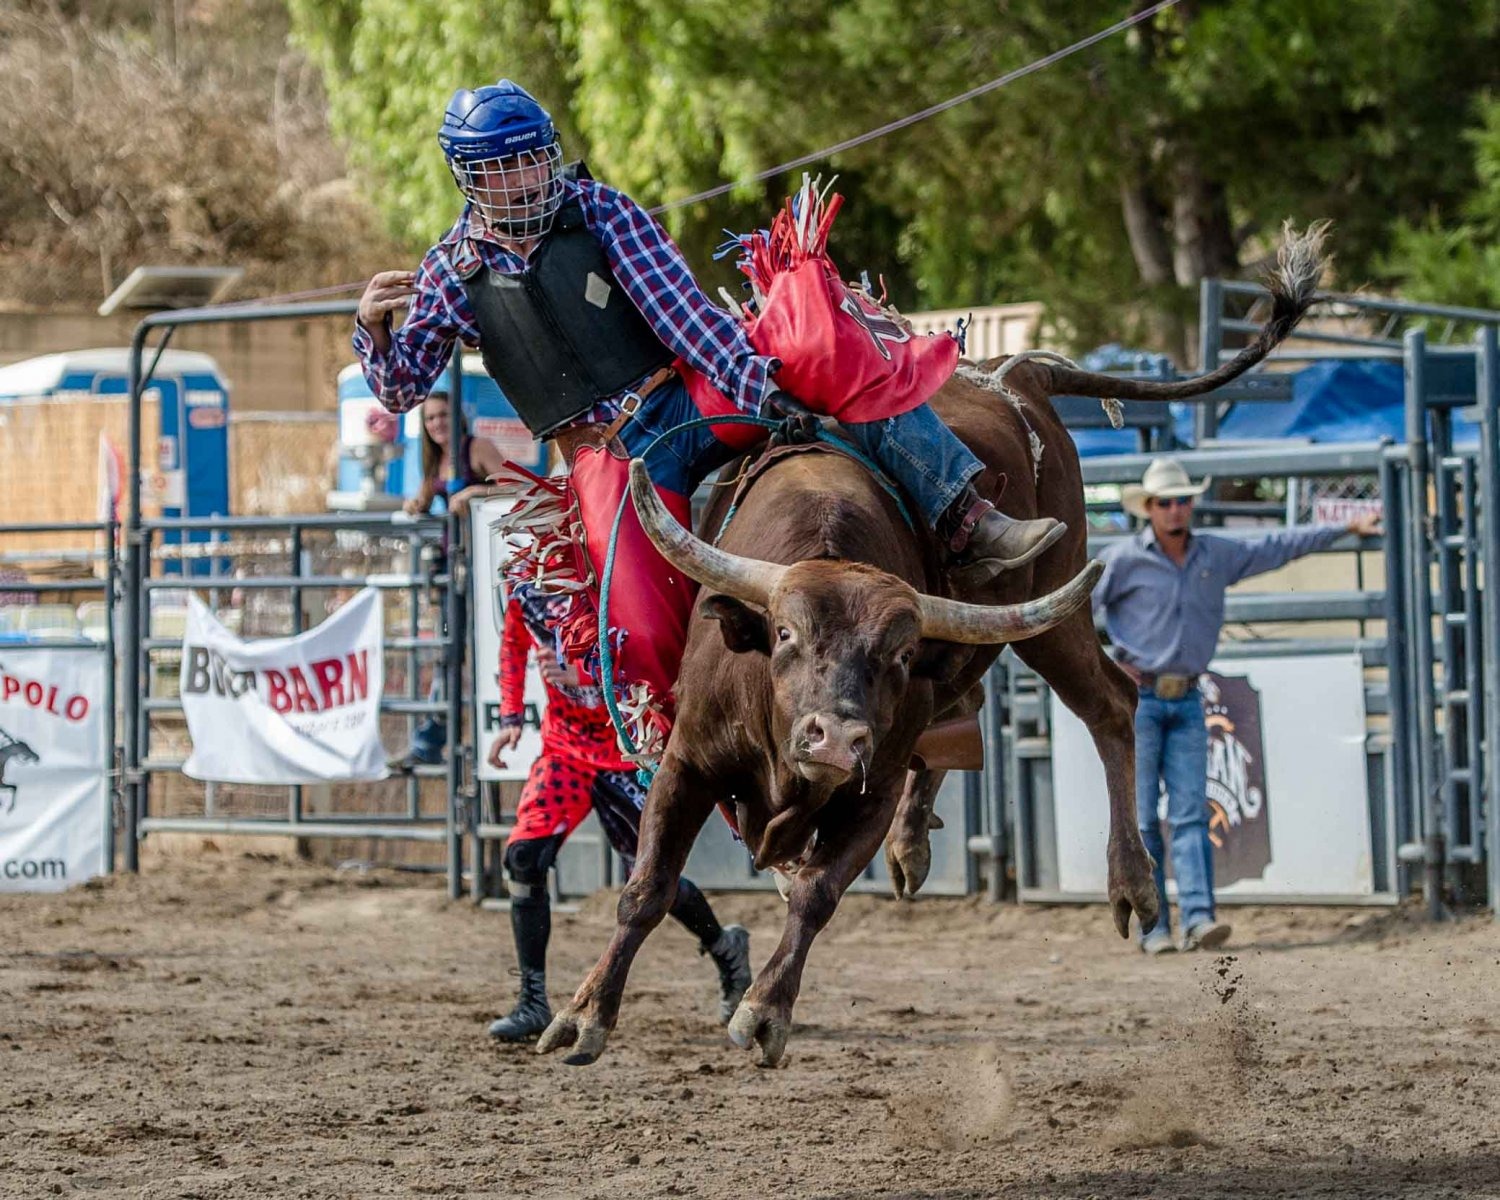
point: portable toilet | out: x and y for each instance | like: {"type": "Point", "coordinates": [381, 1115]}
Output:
{"type": "Point", "coordinates": [360, 482]}
{"type": "Point", "coordinates": [486, 410]}
{"type": "Point", "coordinates": [185, 474]}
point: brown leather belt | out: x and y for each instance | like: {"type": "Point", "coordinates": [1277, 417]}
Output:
{"type": "Point", "coordinates": [597, 433]}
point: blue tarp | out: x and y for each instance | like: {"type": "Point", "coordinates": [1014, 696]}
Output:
{"type": "Point", "coordinates": [1342, 400]}
{"type": "Point", "coordinates": [1094, 442]}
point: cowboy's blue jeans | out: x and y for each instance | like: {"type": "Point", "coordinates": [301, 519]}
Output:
{"type": "Point", "coordinates": [1171, 748]}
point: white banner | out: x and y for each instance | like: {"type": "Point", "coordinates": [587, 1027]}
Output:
{"type": "Point", "coordinates": [54, 792]}
{"type": "Point", "coordinates": [302, 709]}
{"type": "Point", "coordinates": [1288, 801]}
{"type": "Point", "coordinates": [488, 607]}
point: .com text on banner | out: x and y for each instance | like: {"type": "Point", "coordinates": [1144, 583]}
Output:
{"type": "Point", "coordinates": [54, 782]}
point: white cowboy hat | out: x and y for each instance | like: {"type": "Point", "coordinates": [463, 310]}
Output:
{"type": "Point", "coordinates": [1164, 477]}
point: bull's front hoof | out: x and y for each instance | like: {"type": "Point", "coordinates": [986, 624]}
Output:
{"type": "Point", "coordinates": [1132, 888]}
{"type": "Point", "coordinates": [571, 1029]}
{"type": "Point", "coordinates": [908, 860]}
{"type": "Point", "coordinates": [750, 1026]}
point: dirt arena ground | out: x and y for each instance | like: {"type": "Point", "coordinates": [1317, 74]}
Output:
{"type": "Point", "coordinates": [232, 1026]}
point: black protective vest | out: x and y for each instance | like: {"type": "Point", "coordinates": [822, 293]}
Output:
{"type": "Point", "coordinates": [563, 335]}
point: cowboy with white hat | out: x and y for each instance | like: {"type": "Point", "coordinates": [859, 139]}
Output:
{"type": "Point", "coordinates": [1165, 478]}
{"type": "Point", "coordinates": [1162, 601]}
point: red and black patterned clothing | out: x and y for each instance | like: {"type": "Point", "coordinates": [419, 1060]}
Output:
{"type": "Point", "coordinates": [576, 724]}
{"type": "Point", "coordinates": [580, 768]}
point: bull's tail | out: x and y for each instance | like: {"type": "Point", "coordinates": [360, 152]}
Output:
{"type": "Point", "coordinates": [1300, 263]}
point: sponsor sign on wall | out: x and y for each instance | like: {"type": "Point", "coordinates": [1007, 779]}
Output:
{"type": "Point", "coordinates": [53, 768]}
{"type": "Point", "coordinates": [1239, 815]}
{"type": "Point", "coordinates": [302, 709]}
{"type": "Point", "coordinates": [1335, 510]}
{"type": "Point", "coordinates": [488, 607]}
{"type": "Point", "coordinates": [1288, 806]}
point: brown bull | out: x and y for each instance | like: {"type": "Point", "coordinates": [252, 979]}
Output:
{"type": "Point", "coordinates": [832, 652]}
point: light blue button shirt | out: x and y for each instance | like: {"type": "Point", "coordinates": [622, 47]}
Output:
{"type": "Point", "coordinates": [1164, 619]}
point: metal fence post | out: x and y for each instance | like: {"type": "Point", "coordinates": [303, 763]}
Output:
{"type": "Point", "coordinates": [1398, 649]}
{"type": "Point", "coordinates": [1487, 369]}
{"type": "Point", "coordinates": [1420, 582]}
{"type": "Point", "coordinates": [453, 611]}
{"type": "Point", "coordinates": [1210, 335]}
{"type": "Point", "coordinates": [131, 683]}
{"type": "Point", "coordinates": [111, 693]}
{"type": "Point", "coordinates": [295, 796]}
{"type": "Point", "coordinates": [994, 790]}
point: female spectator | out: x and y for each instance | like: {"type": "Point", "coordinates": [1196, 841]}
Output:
{"type": "Point", "coordinates": [478, 460]}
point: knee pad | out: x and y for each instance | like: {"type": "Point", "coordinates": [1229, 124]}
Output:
{"type": "Point", "coordinates": [527, 862]}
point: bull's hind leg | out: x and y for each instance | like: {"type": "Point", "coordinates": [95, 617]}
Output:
{"type": "Point", "coordinates": [847, 839]}
{"type": "Point", "coordinates": [1069, 657]}
{"type": "Point", "coordinates": [676, 807]}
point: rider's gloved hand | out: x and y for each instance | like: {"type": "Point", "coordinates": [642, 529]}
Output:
{"type": "Point", "coordinates": [798, 422]}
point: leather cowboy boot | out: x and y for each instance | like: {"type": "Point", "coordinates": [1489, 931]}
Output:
{"type": "Point", "coordinates": [984, 542]}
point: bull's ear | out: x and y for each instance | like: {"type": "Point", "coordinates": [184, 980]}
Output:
{"type": "Point", "coordinates": [940, 661]}
{"type": "Point", "coordinates": [743, 628]}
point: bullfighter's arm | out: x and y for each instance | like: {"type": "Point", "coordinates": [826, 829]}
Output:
{"type": "Point", "coordinates": [515, 647]}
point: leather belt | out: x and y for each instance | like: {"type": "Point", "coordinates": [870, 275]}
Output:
{"type": "Point", "coordinates": [596, 433]}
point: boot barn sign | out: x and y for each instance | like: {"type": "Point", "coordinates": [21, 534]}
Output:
{"type": "Point", "coordinates": [302, 709]}
{"type": "Point", "coordinates": [54, 792]}
{"type": "Point", "coordinates": [1287, 794]}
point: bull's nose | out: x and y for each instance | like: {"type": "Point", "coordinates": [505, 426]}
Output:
{"type": "Point", "coordinates": [834, 741]}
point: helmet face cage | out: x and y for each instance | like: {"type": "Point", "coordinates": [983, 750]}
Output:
{"type": "Point", "coordinates": [518, 195]}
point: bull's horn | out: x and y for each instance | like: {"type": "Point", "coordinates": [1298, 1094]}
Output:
{"type": "Point", "coordinates": [980, 624]}
{"type": "Point", "coordinates": [747, 579]}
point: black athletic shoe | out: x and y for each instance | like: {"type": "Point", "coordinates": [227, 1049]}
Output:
{"type": "Point", "coordinates": [731, 954]}
{"type": "Point", "coordinates": [531, 1015]}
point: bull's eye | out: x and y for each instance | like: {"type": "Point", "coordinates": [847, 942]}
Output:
{"type": "Point", "coordinates": [906, 656]}
{"type": "Point", "coordinates": [783, 634]}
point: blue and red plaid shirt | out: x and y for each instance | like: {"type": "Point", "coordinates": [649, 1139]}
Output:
{"type": "Point", "coordinates": [648, 265]}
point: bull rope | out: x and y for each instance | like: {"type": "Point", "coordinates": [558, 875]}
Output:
{"type": "Point", "coordinates": [994, 381]}
{"type": "Point", "coordinates": [647, 770]}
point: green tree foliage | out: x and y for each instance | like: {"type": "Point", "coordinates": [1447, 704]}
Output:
{"type": "Point", "coordinates": [1458, 261]}
{"type": "Point", "coordinates": [390, 66]}
{"type": "Point", "coordinates": [1107, 185]}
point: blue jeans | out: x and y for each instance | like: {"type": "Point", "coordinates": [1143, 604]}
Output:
{"type": "Point", "coordinates": [1171, 746]}
{"type": "Point", "coordinates": [916, 449]}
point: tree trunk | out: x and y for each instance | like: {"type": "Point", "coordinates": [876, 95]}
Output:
{"type": "Point", "coordinates": [1151, 247]}
{"type": "Point", "coordinates": [1202, 237]}
{"type": "Point", "coordinates": [1145, 226]}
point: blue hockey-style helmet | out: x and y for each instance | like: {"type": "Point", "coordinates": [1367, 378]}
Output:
{"type": "Point", "coordinates": [505, 157]}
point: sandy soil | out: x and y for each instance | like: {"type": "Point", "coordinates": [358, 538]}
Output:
{"type": "Point", "coordinates": [234, 1026]}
